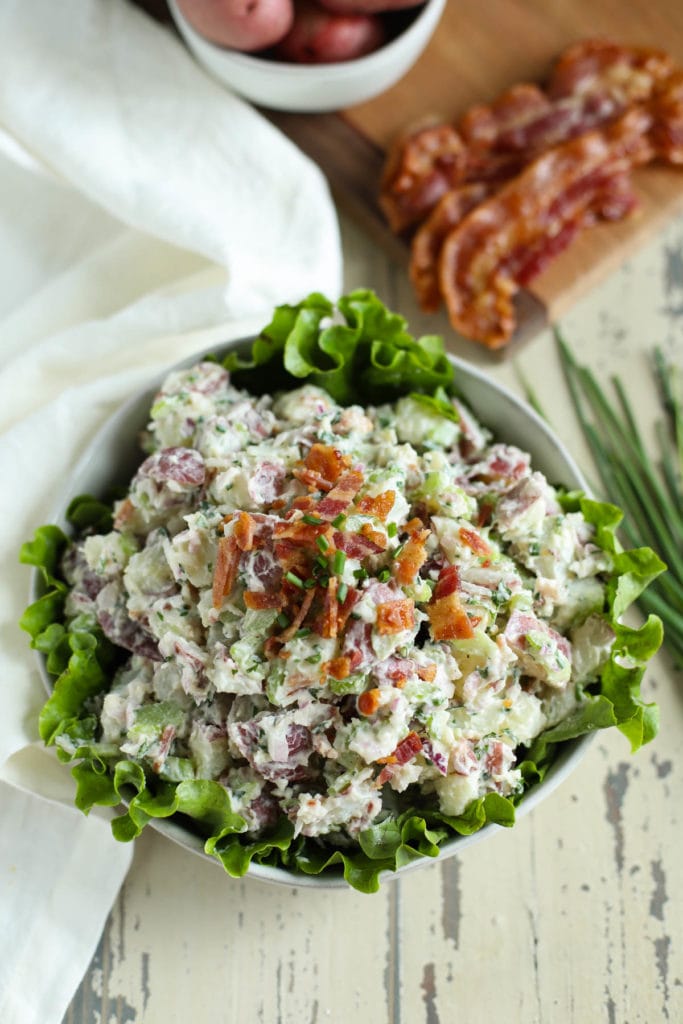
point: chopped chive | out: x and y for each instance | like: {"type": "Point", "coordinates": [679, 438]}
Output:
{"type": "Point", "coordinates": [322, 543]}
{"type": "Point", "coordinates": [392, 529]}
{"type": "Point", "coordinates": [398, 550]}
{"type": "Point", "coordinates": [360, 574]}
{"type": "Point", "coordinates": [384, 575]}
{"type": "Point", "coordinates": [305, 631]}
{"type": "Point", "coordinates": [322, 562]}
{"type": "Point", "coordinates": [342, 591]}
{"type": "Point", "coordinates": [310, 582]}
{"type": "Point", "coordinates": [292, 578]}
{"type": "Point", "coordinates": [339, 521]}
{"type": "Point", "coordinates": [312, 520]}
{"type": "Point", "coordinates": [282, 620]}
{"type": "Point", "coordinates": [324, 580]}
{"type": "Point", "coordinates": [338, 562]}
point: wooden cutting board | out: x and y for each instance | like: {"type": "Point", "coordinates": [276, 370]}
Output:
{"type": "Point", "coordinates": [480, 48]}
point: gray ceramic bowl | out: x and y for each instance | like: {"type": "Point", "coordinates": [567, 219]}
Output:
{"type": "Point", "coordinates": [113, 456]}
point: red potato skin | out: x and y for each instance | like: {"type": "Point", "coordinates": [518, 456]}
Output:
{"type": "Point", "coordinates": [368, 6]}
{"type": "Point", "coordinates": [247, 25]}
{"type": "Point", "coordinates": [320, 37]}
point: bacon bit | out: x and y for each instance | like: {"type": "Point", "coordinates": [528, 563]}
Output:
{"type": "Point", "coordinates": [408, 748]}
{"type": "Point", "coordinates": [390, 759]}
{"type": "Point", "coordinates": [244, 532]}
{"type": "Point", "coordinates": [448, 619]}
{"type": "Point", "coordinates": [374, 536]}
{"type": "Point", "coordinates": [369, 701]}
{"type": "Point", "coordinates": [260, 599]}
{"type": "Point", "coordinates": [414, 525]}
{"type": "Point", "coordinates": [278, 504]}
{"type": "Point", "coordinates": [475, 542]}
{"type": "Point", "coordinates": [341, 496]}
{"type": "Point", "coordinates": [387, 773]}
{"type": "Point", "coordinates": [400, 682]}
{"type": "Point", "coordinates": [304, 503]}
{"type": "Point", "coordinates": [300, 616]}
{"type": "Point", "coordinates": [292, 558]}
{"type": "Point", "coordinates": [225, 571]}
{"type": "Point", "coordinates": [427, 672]}
{"type": "Point", "coordinates": [379, 506]}
{"type": "Point", "coordinates": [447, 583]}
{"type": "Point", "coordinates": [355, 546]}
{"type": "Point", "coordinates": [395, 616]}
{"type": "Point", "coordinates": [338, 668]}
{"type": "Point", "coordinates": [485, 513]}
{"type": "Point", "coordinates": [324, 465]}
{"type": "Point", "coordinates": [330, 627]}
{"type": "Point", "coordinates": [300, 532]}
{"type": "Point", "coordinates": [413, 556]}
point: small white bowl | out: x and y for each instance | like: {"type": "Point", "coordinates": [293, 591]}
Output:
{"type": "Point", "coordinates": [313, 87]}
{"type": "Point", "coordinates": [113, 456]}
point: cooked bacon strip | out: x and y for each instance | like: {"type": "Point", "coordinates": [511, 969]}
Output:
{"type": "Point", "coordinates": [426, 245]}
{"type": "Point", "coordinates": [395, 616]}
{"type": "Point", "coordinates": [421, 167]}
{"type": "Point", "coordinates": [244, 531]}
{"type": "Point", "coordinates": [379, 506]}
{"type": "Point", "coordinates": [412, 557]}
{"type": "Point", "coordinates": [478, 277]}
{"type": "Point", "coordinates": [341, 496]}
{"type": "Point", "coordinates": [260, 599]}
{"type": "Point", "coordinates": [599, 66]}
{"type": "Point", "coordinates": [225, 570]}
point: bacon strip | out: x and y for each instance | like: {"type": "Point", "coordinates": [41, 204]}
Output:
{"type": "Point", "coordinates": [395, 616]}
{"type": "Point", "coordinates": [421, 167]}
{"type": "Point", "coordinates": [379, 506]}
{"type": "Point", "coordinates": [448, 619]}
{"type": "Point", "coordinates": [244, 531]}
{"type": "Point", "coordinates": [262, 599]}
{"type": "Point", "coordinates": [331, 609]}
{"type": "Point", "coordinates": [556, 193]}
{"type": "Point", "coordinates": [299, 618]}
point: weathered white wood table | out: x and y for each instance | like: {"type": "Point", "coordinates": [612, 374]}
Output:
{"type": "Point", "coordinates": [574, 916]}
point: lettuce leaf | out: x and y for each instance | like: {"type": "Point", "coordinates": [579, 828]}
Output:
{"type": "Point", "coordinates": [359, 352]}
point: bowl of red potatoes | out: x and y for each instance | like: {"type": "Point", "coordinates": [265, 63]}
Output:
{"type": "Point", "coordinates": [307, 55]}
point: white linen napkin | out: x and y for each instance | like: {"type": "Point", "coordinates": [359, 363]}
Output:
{"type": "Point", "coordinates": [145, 213]}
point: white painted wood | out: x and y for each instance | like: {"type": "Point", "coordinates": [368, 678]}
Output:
{"type": "Point", "coordinates": [574, 916]}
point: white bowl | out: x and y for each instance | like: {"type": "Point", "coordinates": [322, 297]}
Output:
{"type": "Point", "coordinates": [113, 455]}
{"type": "Point", "coordinates": [307, 87]}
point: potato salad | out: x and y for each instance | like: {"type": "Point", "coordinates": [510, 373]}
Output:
{"type": "Point", "coordinates": [331, 609]}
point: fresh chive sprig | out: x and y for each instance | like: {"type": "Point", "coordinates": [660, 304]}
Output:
{"type": "Point", "coordinates": [650, 491]}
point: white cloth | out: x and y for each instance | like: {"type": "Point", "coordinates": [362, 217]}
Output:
{"type": "Point", "coordinates": [145, 213]}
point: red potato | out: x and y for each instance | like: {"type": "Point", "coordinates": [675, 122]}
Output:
{"type": "Point", "coordinates": [368, 6]}
{"type": "Point", "coordinates": [240, 24]}
{"type": "Point", "coordinates": [320, 37]}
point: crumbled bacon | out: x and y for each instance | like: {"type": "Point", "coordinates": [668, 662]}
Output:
{"type": "Point", "coordinates": [225, 571]}
{"type": "Point", "coordinates": [406, 750]}
{"type": "Point", "coordinates": [448, 618]}
{"type": "Point", "coordinates": [356, 545]}
{"type": "Point", "coordinates": [395, 616]}
{"type": "Point", "coordinates": [244, 531]}
{"type": "Point", "coordinates": [338, 668]}
{"type": "Point", "coordinates": [475, 542]}
{"type": "Point", "coordinates": [379, 506]}
{"type": "Point", "coordinates": [368, 702]}
{"type": "Point", "coordinates": [427, 672]}
{"type": "Point", "coordinates": [259, 600]}
{"type": "Point", "coordinates": [341, 495]}
{"type": "Point", "coordinates": [299, 617]}
{"type": "Point", "coordinates": [322, 468]}
{"type": "Point", "coordinates": [447, 583]}
{"type": "Point", "coordinates": [331, 609]}
{"type": "Point", "coordinates": [411, 558]}
{"type": "Point", "coordinates": [374, 537]}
